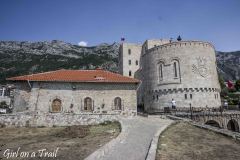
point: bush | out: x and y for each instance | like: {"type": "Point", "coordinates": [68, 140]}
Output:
{"type": "Point", "coordinates": [3, 105]}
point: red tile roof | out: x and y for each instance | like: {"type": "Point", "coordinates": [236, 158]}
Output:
{"type": "Point", "coordinates": [63, 75]}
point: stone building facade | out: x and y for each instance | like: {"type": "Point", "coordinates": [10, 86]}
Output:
{"type": "Point", "coordinates": [65, 93]}
{"type": "Point", "coordinates": [75, 98]}
{"type": "Point", "coordinates": [183, 70]}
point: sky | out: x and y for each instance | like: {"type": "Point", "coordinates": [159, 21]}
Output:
{"type": "Point", "coordinates": [91, 22]}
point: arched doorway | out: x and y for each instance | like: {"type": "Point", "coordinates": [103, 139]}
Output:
{"type": "Point", "coordinates": [213, 123]}
{"type": "Point", "coordinates": [88, 104]}
{"type": "Point", "coordinates": [56, 105]}
{"type": "Point", "coordinates": [118, 103]}
{"type": "Point", "coordinates": [233, 125]}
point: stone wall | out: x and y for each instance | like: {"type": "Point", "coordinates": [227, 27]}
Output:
{"type": "Point", "coordinates": [72, 96]}
{"type": "Point", "coordinates": [56, 119]}
{"type": "Point", "coordinates": [196, 78]}
{"type": "Point", "coordinates": [21, 96]}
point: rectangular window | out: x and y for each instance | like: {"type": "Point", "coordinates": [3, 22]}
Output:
{"type": "Point", "coordinates": [136, 62]}
{"type": "Point", "coordinates": [130, 73]}
{"type": "Point", "coordinates": [129, 62]}
{"type": "Point", "coordinates": [191, 96]}
{"type": "Point", "coordinates": [185, 96]}
{"type": "Point", "coordinates": [129, 51]}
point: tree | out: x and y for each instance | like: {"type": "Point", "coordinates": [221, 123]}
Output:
{"type": "Point", "coordinates": [237, 85]}
{"type": "Point", "coordinates": [221, 81]}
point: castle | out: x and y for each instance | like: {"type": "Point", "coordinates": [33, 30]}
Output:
{"type": "Point", "coordinates": [152, 74]}
{"type": "Point", "coordinates": [183, 71]}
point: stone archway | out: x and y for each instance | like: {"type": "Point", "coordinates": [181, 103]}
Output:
{"type": "Point", "coordinates": [233, 125]}
{"type": "Point", "coordinates": [213, 123]}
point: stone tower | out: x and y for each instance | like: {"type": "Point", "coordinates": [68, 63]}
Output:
{"type": "Point", "coordinates": [184, 71]}
{"type": "Point", "coordinates": [129, 56]}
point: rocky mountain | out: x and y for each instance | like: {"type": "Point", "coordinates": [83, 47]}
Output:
{"type": "Point", "coordinates": [19, 58]}
{"type": "Point", "coordinates": [229, 65]}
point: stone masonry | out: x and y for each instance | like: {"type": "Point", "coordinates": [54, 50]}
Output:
{"type": "Point", "coordinates": [181, 70]}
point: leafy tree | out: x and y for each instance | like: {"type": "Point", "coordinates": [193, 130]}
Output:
{"type": "Point", "coordinates": [237, 85]}
{"type": "Point", "coordinates": [221, 81]}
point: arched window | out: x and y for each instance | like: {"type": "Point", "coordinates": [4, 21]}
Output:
{"type": "Point", "coordinates": [88, 104]}
{"type": "Point", "coordinates": [175, 69]}
{"type": "Point", "coordinates": [118, 103]}
{"type": "Point", "coordinates": [161, 71]}
{"type": "Point", "coordinates": [56, 105]}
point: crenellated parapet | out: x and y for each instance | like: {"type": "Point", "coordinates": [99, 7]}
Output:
{"type": "Point", "coordinates": [178, 44]}
{"type": "Point", "coordinates": [181, 90]}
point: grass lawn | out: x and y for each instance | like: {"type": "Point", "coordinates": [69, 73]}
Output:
{"type": "Point", "coordinates": [183, 141]}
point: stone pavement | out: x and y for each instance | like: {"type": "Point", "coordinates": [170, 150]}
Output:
{"type": "Point", "coordinates": [134, 141]}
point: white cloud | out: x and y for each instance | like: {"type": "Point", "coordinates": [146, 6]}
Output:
{"type": "Point", "coordinates": [82, 43]}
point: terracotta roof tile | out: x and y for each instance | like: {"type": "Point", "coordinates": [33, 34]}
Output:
{"type": "Point", "coordinates": [97, 75]}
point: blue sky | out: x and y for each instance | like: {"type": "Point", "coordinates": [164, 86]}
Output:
{"type": "Point", "coordinates": [99, 21]}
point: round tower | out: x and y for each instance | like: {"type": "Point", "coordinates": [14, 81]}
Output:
{"type": "Point", "coordinates": [184, 71]}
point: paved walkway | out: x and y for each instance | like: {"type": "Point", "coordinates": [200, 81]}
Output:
{"type": "Point", "coordinates": [135, 138]}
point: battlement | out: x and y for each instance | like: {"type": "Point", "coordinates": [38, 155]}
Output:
{"type": "Point", "coordinates": [180, 44]}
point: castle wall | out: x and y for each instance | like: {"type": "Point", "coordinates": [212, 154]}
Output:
{"type": "Point", "coordinates": [194, 74]}
{"type": "Point", "coordinates": [72, 97]}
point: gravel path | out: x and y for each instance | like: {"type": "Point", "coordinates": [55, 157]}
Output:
{"type": "Point", "coordinates": [135, 139]}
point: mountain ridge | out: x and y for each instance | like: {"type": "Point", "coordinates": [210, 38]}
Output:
{"type": "Point", "coordinates": [25, 57]}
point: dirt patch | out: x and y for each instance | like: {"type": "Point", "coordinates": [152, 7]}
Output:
{"type": "Point", "coordinates": [183, 141]}
{"type": "Point", "coordinates": [74, 132]}
{"type": "Point", "coordinates": [75, 142]}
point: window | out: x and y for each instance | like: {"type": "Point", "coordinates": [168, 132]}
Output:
{"type": "Point", "coordinates": [175, 69]}
{"type": "Point", "coordinates": [56, 105]}
{"type": "Point", "coordinates": [129, 51]}
{"type": "Point", "coordinates": [136, 62]}
{"type": "Point", "coordinates": [161, 71]}
{"type": "Point", "coordinates": [129, 62]}
{"type": "Point", "coordinates": [118, 103]}
{"type": "Point", "coordinates": [185, 96]}
{"type": "Point", "coordinates": [190, 96]}
{"type": "Point", "coordinates": [130, 73]}
{"type": "Point", "coordinates": [88, 104]}
{"type": "Point", "coordinates": [157, 97]}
